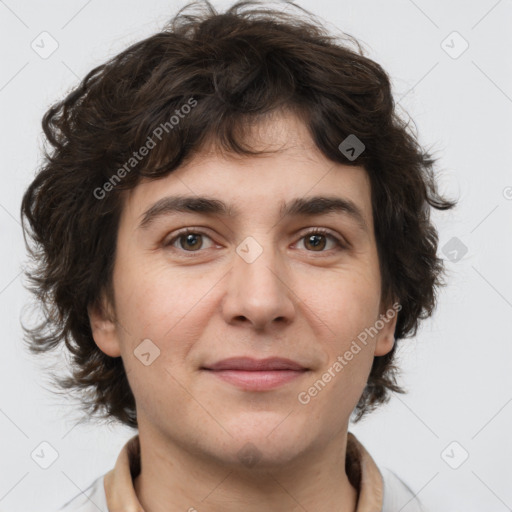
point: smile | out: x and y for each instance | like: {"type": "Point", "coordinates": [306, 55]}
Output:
{"type": "Point", "coordinates": [256, 374]}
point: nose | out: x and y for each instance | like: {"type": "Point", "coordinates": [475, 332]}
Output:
{"type": "Point", "coordinates": [257, 292]}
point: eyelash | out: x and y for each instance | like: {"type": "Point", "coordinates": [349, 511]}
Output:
{"type": "Point", "coordinates": [315, 231]}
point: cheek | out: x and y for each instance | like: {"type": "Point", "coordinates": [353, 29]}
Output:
{"type": "Point", "coordinates": [159, 317]}
{"type": "Point", "coordinates": [345, 303]}
{"type": "Point", "coordinates": [343, 311]}
{"type": "Point", "coordinates": [155, 301]}
{"type": "Point", "coordinates": [170, 309]}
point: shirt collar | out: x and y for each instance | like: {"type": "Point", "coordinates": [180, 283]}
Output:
{"type": "Point", "coordinates": [361, 470]}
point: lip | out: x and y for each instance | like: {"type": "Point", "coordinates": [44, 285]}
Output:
{"type": "Point", "coordinates": [255, 365]}
{"type": "Point", "coordinates": [256, 374]}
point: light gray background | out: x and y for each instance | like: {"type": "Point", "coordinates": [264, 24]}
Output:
{"type": "Point", "coordinates": [458, 368]}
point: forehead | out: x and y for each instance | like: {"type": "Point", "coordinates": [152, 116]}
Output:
{"type": "Point", "coordinates": [293, 168]}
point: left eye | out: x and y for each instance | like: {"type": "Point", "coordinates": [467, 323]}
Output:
{"type": "Point", "coordinates": [314, 239]}
{"type": "Point", "coordinates": [192, 241]}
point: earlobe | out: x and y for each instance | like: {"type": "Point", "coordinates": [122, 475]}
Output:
{"type": "Point", "coordinates": [386, 337]}
{"type": "Point", "coordinates": [104, 330]}
{"type": "Point", "coordinates": [384, 345]}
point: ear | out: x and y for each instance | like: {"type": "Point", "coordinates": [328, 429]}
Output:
{"type": "Point", "coordinates": [104, 328]}
{"type": "Point", "coordinates": [386, 336]}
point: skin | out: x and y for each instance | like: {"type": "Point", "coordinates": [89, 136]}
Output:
{"type": "Point", "coordinates": [294, 301]}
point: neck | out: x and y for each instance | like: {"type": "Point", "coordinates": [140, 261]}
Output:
{"type": "Point", "coordinates": [173, 478]}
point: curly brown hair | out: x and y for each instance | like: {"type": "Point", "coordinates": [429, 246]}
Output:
{"type": "Point", "coordinates": [238, 66]}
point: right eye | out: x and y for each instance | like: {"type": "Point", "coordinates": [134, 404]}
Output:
{"type": "Point", "coordinates": [189, 240]}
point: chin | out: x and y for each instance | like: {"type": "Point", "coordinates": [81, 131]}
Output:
{"type": "Point", "coordinates": [263, 449]}
{"type": "Point", "coordinates": [256, 456]}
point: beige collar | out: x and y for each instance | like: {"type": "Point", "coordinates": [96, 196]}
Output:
{"type": "Point", "coordinates": [361, 471]}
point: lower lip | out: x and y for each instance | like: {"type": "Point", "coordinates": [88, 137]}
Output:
{"type": "Point", "coordinates": [258, 380]}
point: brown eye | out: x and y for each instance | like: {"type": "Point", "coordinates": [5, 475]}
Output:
{"type": "Point", "coordinates": [316, 241]}
{"type": "Point", "coordinates": [190, 241]}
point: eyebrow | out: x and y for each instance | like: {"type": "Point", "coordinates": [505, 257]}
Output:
{"type": "Point", "coordinates": [310, 206]}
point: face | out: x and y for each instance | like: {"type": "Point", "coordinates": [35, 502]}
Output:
{"type": "Point", "coordinates": [272, 275]}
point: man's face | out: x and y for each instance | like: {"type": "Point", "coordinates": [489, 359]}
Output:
{"type": "Point", "coordinates": [256, 284]}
